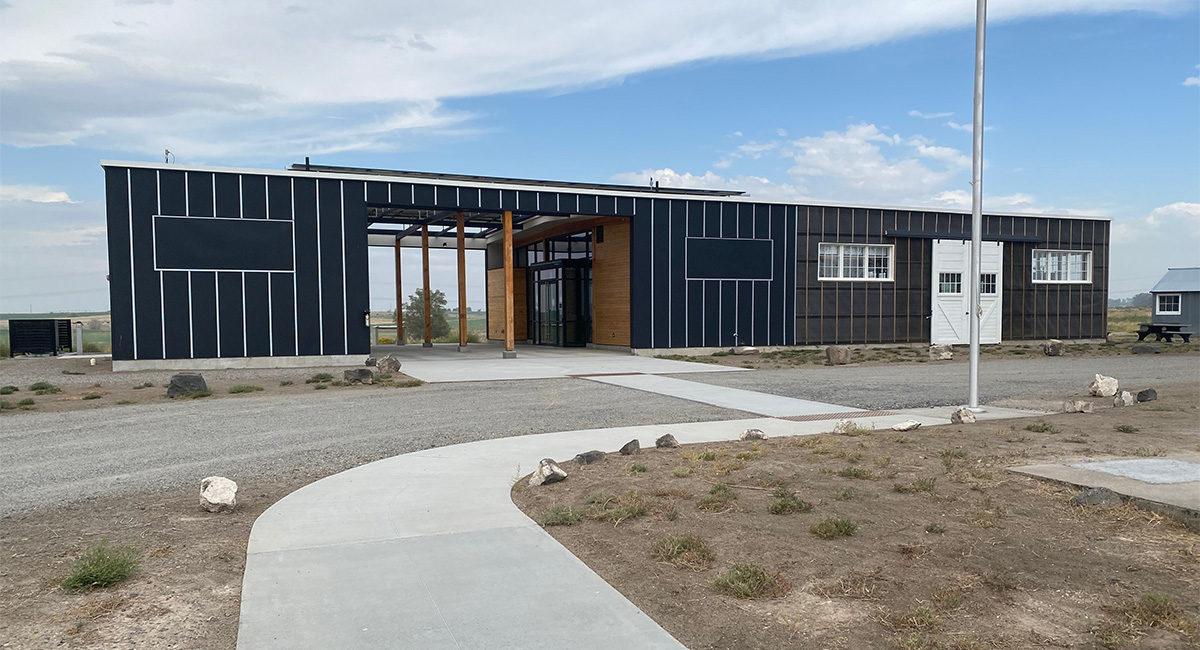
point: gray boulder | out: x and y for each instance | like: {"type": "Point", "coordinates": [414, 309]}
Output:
{"type": "Point", "coordinates": [837, 355]}
{"type": "Point", "coordinates": [547, 472]}
{"type": "Point", "coordinates": [218, 494]}
{"type": "Point", "coordinates": [1148, 395]}
{"type": "Point", "coordinates": [1053, 347]}
{"type": "Point", "coordinates": [388, 364]}
{"type": "Point", "coordinates": [962, 415]}
{"type": "Point", "coordinates": [941, 352]}
{"type": "Point", "coordinates": [632, 447]}
{"type": "Point", "coordinates": [1078, 406]}
{"type": "Point", "coordinates": [359, 376]}
{"type": "Point", "coordinates": [1097, 497]}
{"type": "Point", "coordinates": [1123, 398]}
{"type": "Point", "coordinates": [369, 362]}
{"type": "Point", "coordinates": [753, 434]}
{"type": "Point", "coordinates": [589, 457]}
{"type": "Point", "coordinates": [1103, 386]}
{"type": "Point", "coordinates": [1145, 348]}
{"type": "Point", "coordinates": [666, 441]}
{"type": "Point", "coordinates": [185, 383]}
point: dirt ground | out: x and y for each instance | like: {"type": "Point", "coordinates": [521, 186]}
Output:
{"type": "Point", "coordinates": [873, 355]}
{"type": "Point", "coordinates": [77, 379]}
{"type": "Point", "coordinates": [971, 557]}
{"type": "Point", "coordinates": [186, 592]}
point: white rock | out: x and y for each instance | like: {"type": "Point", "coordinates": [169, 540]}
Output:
{"type": "Point", "coordinates": [1124, 398]}
{"type": "Point", "coordinates": [745, 349]}
{"type": "Point", "coordinates": [907, 425]}
{"type": "Point", "coordinates": [218, 494]}
{"type": "Point", "coordinates": [843, 426]}
{"type": "Point", "coordinates": [941, 352]}
{"type": "Point", "coordinates": [962, 415]}
{"type": "Point", "coordinates": [387, 364]}
{"type": "Point", "coordinates": [753, 434]}
{"type": "Point", "coordinates": [547, 472]}
{"type": "Point", "coordinates": [1077, 406]}
{"type": "Point", "coordinates": [1103, 386]}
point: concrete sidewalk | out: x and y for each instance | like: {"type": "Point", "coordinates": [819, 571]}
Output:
{"type": "Point", "coordinates": [427, 550]}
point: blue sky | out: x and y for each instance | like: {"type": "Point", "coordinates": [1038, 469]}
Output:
{"type": "Point", "coordinates": [1092, 108]}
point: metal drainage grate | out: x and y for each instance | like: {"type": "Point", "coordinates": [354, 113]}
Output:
{"type": "Point", "coordinates": [836, 416]}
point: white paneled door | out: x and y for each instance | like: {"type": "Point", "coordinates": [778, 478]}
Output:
{"type": "Point", "coordinates": [951, 300]}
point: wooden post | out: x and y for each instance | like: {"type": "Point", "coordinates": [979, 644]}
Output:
{"type": "Point", "coordinates": [509, 341]}
{"type": "Point", "coordinates": [399, 300]}
{"type": "Point", "coordinates": [462, 286]}
{"type": "Point", "coordinates": [425, 278]}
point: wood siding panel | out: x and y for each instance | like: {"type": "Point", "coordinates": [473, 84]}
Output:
{"type": "Point", "coordinates": [610, 287]}
{"type": "Point", "coordinates": [495, 305]}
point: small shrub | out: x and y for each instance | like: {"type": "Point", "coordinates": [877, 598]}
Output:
{"type": "Point", "coordinates": [953, 453]}
{"type": "Point", "coordinates": [383, 376]}
{"type": "Point", "coordinates": [319, 378]}
{"type": "Point", "coordinates": [1041, 427]}
{"type": "Point", "coordinates": [682, 471]}
{"type": "Point", "coordinates": [947, 597]}
{"type": "Point", "coordinates": [101, 566]}
{"type": "Point", "coordinates": [386, 340]}
{"type": "Point", "coordinates": [686, 551]}
{"type": "Point", "coordinates": [718, 498]}
{"type": "Point", "coordinates": [786, 502]}
{"type": "Point", "coordinates": [750, 581]}
{"type": "Point", "coordinates": [635, 468]}
{"type": "Point", "coordinates": [846, 494]}
{"type": "Point", "coordinates": [561, 516]}
{"type": "Point", "coordinates": [924, 484]}
{"type": "Point", "coordinates": [44, 388]}
{"type": "Point", "coordinates": [145, 385]}
{"type": "Point", "coordinates": [1001, 581]}
{"type": "Point", "coordinates": [673, 493]}
{"type": "Point", "coordinates": [1156, 610]}
{"type": "Point", "coordinates": [123, 402]}
{"type": "Point", "coordinates": [706, 454]}
{"type": "Point", "coordinates": [936, 529]}
{"type": "Point", "coordinates": [903, 440]}
{"type": "Point", "coordinates": [728, 466]}
{"type": "Point", "coordinates": [619, 508]}
{"type": "Point", "coordinates": [882, 461]}
{"type": "Point", "coordinates": [921, 618]}
{"type": "Point", "coordinates": [92, 396]}
{"type": "Point", "coordinates": [338, 383]}
{"type": "Point", "coordinates": [286, 382]}
{"type": "Point", "coordinates": [1077, 439]}
{"type": "Point", "coordinates": [856, 472]}
{"type": "Point", "coordinates": [320, 386]}
{"type": "Point", "coordinates": [7, 405]}
{"type": "Point", "coordinates": [753, 454]}
{"type": "Point", "coordinates": [409, 383]}
{"type": "Point", "coordinates": [833, 527]}
{"type": "Point", "coordinates": [28, 401]}
{"type": "Point", "coordinates": [243, 388]}
{"type": "Point", "coordinates": [8, 390]}
{"type": "Point", "coordinates": [1125, 428]}
{"type": "Point", "coordinates": [855, 584]}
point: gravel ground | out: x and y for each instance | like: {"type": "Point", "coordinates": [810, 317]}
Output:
{"type": "Point", "coordinates": [1019, 382]}
{"type": "Point", "coordinates": [62, 457]}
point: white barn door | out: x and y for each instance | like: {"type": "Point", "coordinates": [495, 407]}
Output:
{"type": "Point", "coordinates": [950, 322]}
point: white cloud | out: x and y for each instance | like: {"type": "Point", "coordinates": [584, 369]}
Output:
{"type": "Point", "coordinates": [1143, 248]}
{"type": "Point", "coordinates": [69, 237]}
{"type": "Point", "coordinates": [966, 127]}
{"type": "Point", "coordinates": [138, 76]}
{"type": "Point", "coordinates": [1193, 81]}
{"type": "Point", "coordinates": [33, 193]}
{"type": "Point", "coordinates": [53, 256]}
{"type": "Point", "coordinates": [929, 116]}
{"type": "Point", "coordinates": [755, 186]}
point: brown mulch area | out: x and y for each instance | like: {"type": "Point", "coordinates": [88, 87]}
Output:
{"type": "Point", "coordinates": [982, 558]}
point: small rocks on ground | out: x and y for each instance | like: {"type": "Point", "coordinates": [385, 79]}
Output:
{"type": "Point", "coordinates": [186, 383]}
{"type": "Point", "coordinates": [1148, 395]}
{"type": "Point", "coordinates": [1123, 398]}
{"type": "Point", "coordinates": [1097, 497]}
{"type": "Point", "coordinates": [962, 415]}
{"type": "Point", "coordinates": [547, 472]}
{"type": "Point", "coordinates": [1078, 406]}
{"type": "Point", "coordinates": [370, 361]}
{"type": "Point", "coordinates": [1145, 348]}
{"type": "Point", "coordinates": [744, 349]}
{"type": "Point", "coordinates": [632, 447]}
{"type": "Point", "coordinates": [753, 434]}
{"type": "Point", "coordinates": [388, 364]}
{"type": "Point", "coordinates": [907, 425]}
{"type": "Point", "coordinates": [1103, 386]}
{"type": "Point", "coordinates": [837, 355]}
{"type": "Point", "coordinates": [218, 494]}
{"type": "Point", "coordinates": [589, 457]}
{"type": "Point", "coordinates": [941, 352]}
{"type": "Point", "coordinates": [666, 441]}
{"type": "Point", "coordinates": [359, 376]}
{"type": "Point", "coordinates": [1053, 347]}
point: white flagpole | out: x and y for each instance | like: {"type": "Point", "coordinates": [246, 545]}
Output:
{"type": "Point", "coordinates": [977, 202]}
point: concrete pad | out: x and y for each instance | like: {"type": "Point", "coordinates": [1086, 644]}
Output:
{"type": "Point", "coordinates": [732, 398]}
{"type": "Point", "coordinates": [1147, 470]}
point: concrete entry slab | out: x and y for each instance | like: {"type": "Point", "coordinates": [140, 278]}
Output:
{"type": "Point", "coordinates": [1147, 470]}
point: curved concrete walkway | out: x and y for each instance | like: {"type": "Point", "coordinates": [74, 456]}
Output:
{"type": "Point", "coordinates": [427, 550]}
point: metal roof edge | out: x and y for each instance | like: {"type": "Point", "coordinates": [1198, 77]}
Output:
{"type": "Point", "coordinates": [662, 193]}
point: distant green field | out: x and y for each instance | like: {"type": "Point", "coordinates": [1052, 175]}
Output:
{"type": "Point", "coordinates": [1126, 319]}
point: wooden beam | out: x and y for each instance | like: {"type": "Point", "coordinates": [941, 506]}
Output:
{"type": "Point", "coordinates": [509, 331]}
{"type": "Point", "coordinates": [462, 286]}
{"type": "Point", "coordinates": [425, 278]}
{"type": "Point", "coordinates": [399, 300]}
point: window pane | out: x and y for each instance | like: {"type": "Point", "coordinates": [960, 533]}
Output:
{"type": "Point", "coordinates": [878, 262]}
{"type": "Point", "coordinates": [828, 261]}
{"type": "Point", "coordinates": [987, 284]}
{"type": "Point", "coordinates": [1039, 266]}
{"type": "Point", "coordinates": [853, 258]}
{"type": "Point", "coordinates": [949, 282]}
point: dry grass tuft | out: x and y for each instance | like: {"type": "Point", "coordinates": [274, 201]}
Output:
{"type": "Point", "coordinates": [686, 551]}
{"type": "Point", "coordinates": [855, 584]}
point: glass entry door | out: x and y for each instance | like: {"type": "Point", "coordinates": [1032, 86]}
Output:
{"type": "Point", "coordinates": [561, 309]}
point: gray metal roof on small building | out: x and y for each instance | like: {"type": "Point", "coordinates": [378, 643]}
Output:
{"type": "Point", "coordinates": [1179, 280]}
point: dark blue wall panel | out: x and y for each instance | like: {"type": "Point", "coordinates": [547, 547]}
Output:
{"type": "Point", "coordinates": [258, 315]}
{"type": "Point", "coordinates": [204, 314]}
{"type": "Point", "coordinates": [120, 275]}
{"type": "Point", "coordinates": [231, 326]}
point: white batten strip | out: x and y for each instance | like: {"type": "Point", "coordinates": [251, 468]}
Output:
{"type": "Point", "coordinates": [345, 309]}
{"type": "Point", "coordinates": [295, 283]}
{"type": "Point", "coordinates": [320, 278]}
{"type": "Point", "coordinates": [162, 307]}
{"type": "Point", "coordinates": [132, 279]}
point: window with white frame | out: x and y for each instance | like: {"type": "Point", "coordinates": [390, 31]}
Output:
{"type": "Point", "coordinates": [1062, 267]}
{"type": "Point", "coordinates": [1168, 304]}
{"type": "Point", "coordinates": [871, 262]}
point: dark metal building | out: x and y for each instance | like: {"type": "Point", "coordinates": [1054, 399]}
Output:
{"type": "Point", "coordinates": [212, 263]}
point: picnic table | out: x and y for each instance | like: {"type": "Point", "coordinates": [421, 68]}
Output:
{"type": "Point", "coordinates": [1163, 331]}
